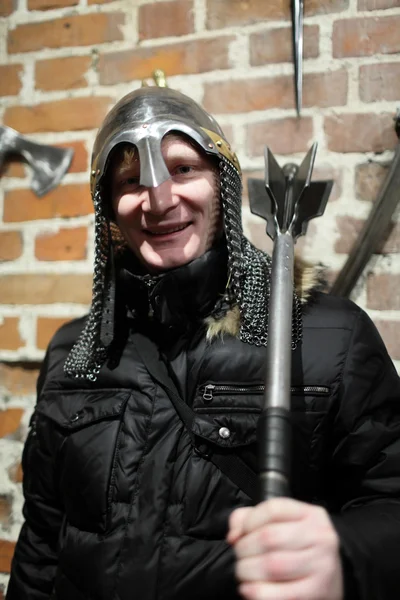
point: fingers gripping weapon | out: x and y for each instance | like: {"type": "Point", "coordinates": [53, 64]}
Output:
{"type": "Point", "coordinates": [287, 201]}
{"type": "Point", "coordinates": [49, 164]}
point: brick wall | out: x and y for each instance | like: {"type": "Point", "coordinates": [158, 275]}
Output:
{"type": "Point", "coordinates": [63, 63]}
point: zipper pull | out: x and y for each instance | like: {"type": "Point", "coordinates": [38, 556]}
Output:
{"type": "Point", "coordinates": [208, 392]}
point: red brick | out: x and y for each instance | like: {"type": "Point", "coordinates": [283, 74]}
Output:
{"type": "Point", "coordinates": [391, 241]}
{"type": "Point", "coordinates": [7, 7]}
{"type": "Point", "coordinates": [319, 89]}
{"type": "Point", "coordinates": [366, 36]}
{"type": "Point", "coordinates": [349, 229]}
{"type": "Point", "coordinates": [10, 79]}
{"type": "Point", "coordinates": [10, 421]}
{"type": "Point", "coordinates": [10, 245]}
{"type": "Point", "coordinates": [77, 30]}
{"type": "Point", "coordinates": [325, 89]}
{"type": "Point", "coordinates": [236, 96]}
{"type": "Point", "coordinates": [12, 167]}
{"type": "Point", "coordinates": [163, 19]}
{"type": "Point", "coordinates": [66, 244]}
{"type": "Point", "coordinates": [72, 114]}
{"type": "Point", "coordinates": [19, 379]}
{"type": "Point", "coordinates": [282, 136]}
{"type": "Point", "coordinates": [10, 338]}
{"type": "Point", "coordinates": [6, 554]}
{"type": "Point", "coordinates": [65, 201]}
{"type": "Point", "coordinates": [80, 158]}
{"type": "Point", "coordinates": [5, 509]}
{"type": "Point", "coordinates": [360, 133]}
{"type": "Point", "coordinates": [62, 73]}
{"type": "Point", "coordinates": [46, 327]}
{"type": "Point", "coordinates": [228, 13]}
{"type": "Point", "coordinates": [390, 332]}
{"type": "Point", "coordinates": [16, 475]}
{"type": "Point", "coordinates": [196, 56]}
{"type": "Point", "coordinates": [49, 4]}
{"type": "Point", "coordinates": [380, 82]}
{"type": "Point", "coordinates": [275, 45]}
{"type": "Point", "coordinates": [369, 178]}
{"type": "Point", "coordinates": [45, 289]}
{"type": "Point", "coordinates": [383, 291]}
{"type": "Point", "coordinates": [377, 4]}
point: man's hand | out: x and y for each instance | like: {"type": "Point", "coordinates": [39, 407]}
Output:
{"type": "Point", "coordinates": [286, 550]}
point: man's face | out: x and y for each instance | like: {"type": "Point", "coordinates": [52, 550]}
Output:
{"type": "Point", "coordinates": [172, 224]}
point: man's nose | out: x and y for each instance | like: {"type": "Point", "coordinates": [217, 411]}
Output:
{"type": "Point", "coordinates": [159, 199]}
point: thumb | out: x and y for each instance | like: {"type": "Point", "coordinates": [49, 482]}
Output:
{"type": "Point", "coordinates": [236, 524]}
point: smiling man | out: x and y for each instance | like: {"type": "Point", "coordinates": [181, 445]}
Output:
{"type": "Point", "coordinates": [177, 221]}
{"type": "Point", "coordinates": [140, 468]}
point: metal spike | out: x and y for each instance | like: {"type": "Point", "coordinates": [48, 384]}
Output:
{"type": "Point", "coordinates": [297, 33]}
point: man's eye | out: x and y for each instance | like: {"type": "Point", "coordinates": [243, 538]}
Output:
{"type": "Point", "coordinates": [183, 169]}
{"type": "Point", "coordinates": [132, 180]}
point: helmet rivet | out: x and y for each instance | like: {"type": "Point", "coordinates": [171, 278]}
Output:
{"type": "Point", "coordinates": [219, 143]}
{"type": "Point", "coordinates": [98, 172]}
{"type": "Point", "coordinates": [210, 146]}
{"type": "Point", "coordinates": [93, 172]}
{"type": "Point", "coordinates": [144, 125]}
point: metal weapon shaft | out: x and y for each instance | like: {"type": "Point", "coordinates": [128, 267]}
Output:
{"type": "Point", "coordinates": [287, 201]}
{"type": "Point", "coordinates": [275, 419]}
{"type": "Point", "coordinates": [374, 229]}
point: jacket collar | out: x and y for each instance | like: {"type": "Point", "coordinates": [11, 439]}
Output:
{"type": "Point", "coordinates": [180, 296]}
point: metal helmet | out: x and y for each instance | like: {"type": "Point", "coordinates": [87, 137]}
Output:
{"type": "Point", "coordinates": [142, 118]}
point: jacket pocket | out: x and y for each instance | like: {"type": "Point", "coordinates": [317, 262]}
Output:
{"type": "Point", "coordinates": [227, 418]}
{"type": "Point", "coordinates": [86, 427]}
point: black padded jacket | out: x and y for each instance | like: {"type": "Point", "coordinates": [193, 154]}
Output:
{"type": "Point", "coordinates": [123, 502]}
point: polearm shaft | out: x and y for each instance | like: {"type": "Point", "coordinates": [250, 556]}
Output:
{"type": "Point", "coordinates": [374, 229]}
{"type": "Point", "coordinates": [290, 202]}
{"type": "Point", "coordinates": [275, 419]}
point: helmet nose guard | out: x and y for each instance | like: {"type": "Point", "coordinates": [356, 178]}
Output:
{"type": "Point", "coordinates": [143, 118]}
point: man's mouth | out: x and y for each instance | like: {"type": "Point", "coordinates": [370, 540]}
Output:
{"type": "Point", "coordinates": [166, 230]}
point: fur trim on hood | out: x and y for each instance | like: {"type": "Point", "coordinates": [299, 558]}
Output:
{"type": "Point", "coordinates": [308, 279]}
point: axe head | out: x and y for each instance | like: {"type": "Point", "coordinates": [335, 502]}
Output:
{"type": "Point", "coordinates": [49, 164]}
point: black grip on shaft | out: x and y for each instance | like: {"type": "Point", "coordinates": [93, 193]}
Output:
{"type": "Point", "coordinates": [274, 435]}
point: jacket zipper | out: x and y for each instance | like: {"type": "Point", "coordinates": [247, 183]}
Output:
{"type": "Point", "coordinates": [210, 390]}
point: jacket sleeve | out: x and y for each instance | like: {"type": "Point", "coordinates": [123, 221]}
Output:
{"type": "Point", "coordinates": [35, 559]}
{"type": "Point", "coordinates": [364, 475]}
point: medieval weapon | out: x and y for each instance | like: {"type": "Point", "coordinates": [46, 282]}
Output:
{"type": "Point", "coordinates": [374, 229]}
{"type": "Point", "coordinates": [49, 163]}
{"type": "Point", "coordinates": [287, 201]}
{"type": "Point", "coordinates": [297, 36]}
